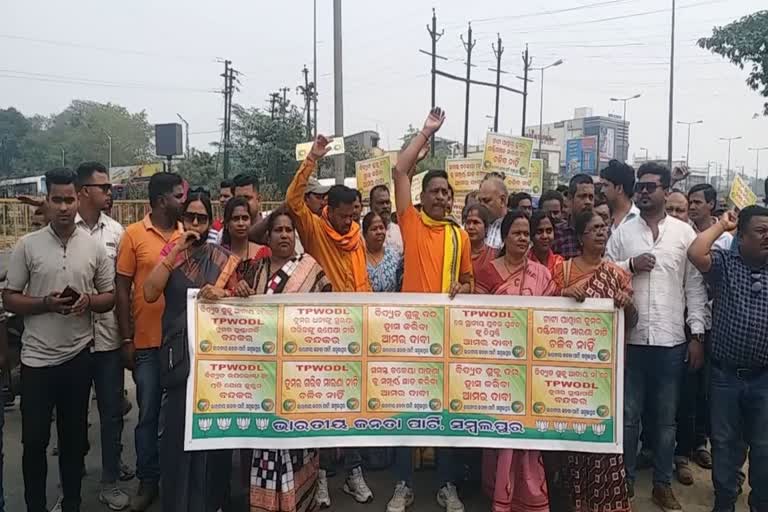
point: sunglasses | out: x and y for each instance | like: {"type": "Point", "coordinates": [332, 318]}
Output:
{"type": "Point", "coordinates": [649, 186]}
{"type": "Point", "coordinates": [191, 217]}
{"type": "Point", "coordinates": [105, 187]}
{"type": "Point", "coordinates": [757, 283]}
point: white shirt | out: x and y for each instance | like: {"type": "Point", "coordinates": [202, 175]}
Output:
{"type": "Point", "coordinates": [493, 236]}
{"type": "Point", "coordinates": [633, 212]}
{"type": "Point", "coordinates": [109, 232]}
{"type": "Point", "coordinates": [394, 238]}
{"type": "Point", "coordinates": [662, 294]}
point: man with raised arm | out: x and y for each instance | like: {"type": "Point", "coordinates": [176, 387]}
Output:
{"type": "Point", "coordinates": [437, 260]}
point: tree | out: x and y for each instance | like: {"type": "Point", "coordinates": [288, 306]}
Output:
{"type": "Point", "coordinates": [744, 42]}
{"type": "Point", "coordinates": [442, 151]}
{"type": "Point", "coordinates": [200, 170]}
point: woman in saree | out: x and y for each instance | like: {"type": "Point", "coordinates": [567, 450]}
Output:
{"type": "Point", "coordinates": [594, 482]}
{"type": "Point", "coordinates": [477, 218]}
{"type": "Point", "coordinates": [515, 479]}
{"type": "Point", "coordinates": [385, 264]}
{"type": "Point", "coordinates": [190, 481]}
{"type": "Point", "coordinates": [283, 480]}
{"type": "Point", "coordinates": [542, 236]}
{"type": "Point", "coordinates": [234, 237]}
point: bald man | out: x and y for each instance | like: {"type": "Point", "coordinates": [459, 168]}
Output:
{"type": "Point", "coordinates": [493, 194]}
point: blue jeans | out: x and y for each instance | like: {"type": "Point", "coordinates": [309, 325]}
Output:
{"type": "Point", "coordinates": [739, 405]}
{"type": "Point", "coordinates": [108, 382]}
{"type": "Point", "coordinates": [653, 375]}
{"type": "Point", "coordinates": [146, 375]}
{"type": "Point", "coordinates": [445, 461]}
{"type": "Point", "coordinates": [351, 459]}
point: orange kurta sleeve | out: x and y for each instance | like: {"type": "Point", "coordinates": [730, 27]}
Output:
{"type": "Point", "coordinates": [307, 223]}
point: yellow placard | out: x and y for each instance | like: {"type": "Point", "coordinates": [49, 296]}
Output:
{"type": "Point", "coordinates": [303, 149]}
{"type": "Point", "coordinates": [416, 184]}
{"type": "Point", "coordinates": [508, 155]}
{"type": "Point", "coordinates": [464, 174]}
{"type": "Point", "coordinates": [373, 172]}
{"type": "Point", "coordinates": [741, 195]}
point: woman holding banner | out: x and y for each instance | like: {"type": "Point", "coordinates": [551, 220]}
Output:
{"type": "Point", "coordinates": [385, 264]}
{"type": "Point", "coordinates": [594, 482]}
{"type": "Point", "coordinates": [283, 480]}
{"type": "Point", "coordinates": [190, 481]}
{"type": "Point", "coordinates": [515, 479]}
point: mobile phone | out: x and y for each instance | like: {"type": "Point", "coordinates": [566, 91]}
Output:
{"type": "Point", "coordinates": [70, 293]}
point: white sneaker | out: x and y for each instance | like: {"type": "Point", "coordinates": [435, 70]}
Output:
{"type": "Point", "coordinates": [356, 487]}
{"type": "Point", "coordinates": [57, 506]}
{"type": "Point", "coordinates": [322, 497]}
{"type": "Point", "coordinates": [401, 499]}
{"type": "Point", "coordinates": [448, 498]}
{"type": "Point", "coordinates": [114, 498]}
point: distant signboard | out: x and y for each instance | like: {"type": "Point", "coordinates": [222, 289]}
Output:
{"type": "Point", "coordinates": [581, 156]}
{"type": "Point", "coordinates": [607, 143]}
{"type": "Point", "coordinates": [119, 175]}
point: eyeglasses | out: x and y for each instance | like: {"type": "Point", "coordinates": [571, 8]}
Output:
{"type": "Point", "coordinates": [191, 217]}
{"type": "Point", "coordinates": [650, 186]}
{"type": "Point", "coordinates": [757, 283]}
{"type": "Point", "coordinates": [105, 187]}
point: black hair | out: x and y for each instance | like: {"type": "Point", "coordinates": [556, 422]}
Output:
{"type": "Point", "coordinates": [563, 189]}
{"type": "Point", "coordinates": [374, 190]}
{"type": "Point", "coordinates": [710, 194]}
{"type": "Point", "coordinates": [620, 174]}
{"type": "Point", "coordinates": [506, 225]}
{"type": "Point", "coordinates": [578, 179]}
{"type": "Point", "coordinates": [368, 220]}
{"type": "Point", "coordinates": [229, 210]}
{"type": "Point", "coordinates": [204, 197]}
{"type": "Point", "coordinates": [600, 200]}
{"type": "Point", "coordinates": [59, 176]}
{"type": "Point", "coordinates": [765, 190]}
{"type": "Point", "coordinates": [581, 221]}
{"type": "Point", "coordinates": [341, 194]}
{"type": "Point", "coordinates": [359, 195]}
{"type": "Point", "coordinates": [245, 180]}
{"type": "Point", "coordinates": [745, 216]}
{"type": "Point", "coordinates": [228, 184]}
{"type": "Point", "coordinates": [87, 169]}
{"type": "Point", "coordinates": [161, 184]}
{"type": "Point", "coordinates": [482, 211]}
{"type": "Point", "coordinates": [551, 195]}
{"type": "Point", "coordinates": [657, 170]}
{"type": "Point", "coordinates": [514, 200]}
{"type": "Point", "coordinates": [450, 189]}
{"type": "Point", "coordinates": [536, 219]}
{"type": "Point", "coordinates": [431, 175]}
{"type": "Point", "coordinates": [278, 212]}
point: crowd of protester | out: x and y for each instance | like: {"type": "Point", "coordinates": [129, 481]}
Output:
{"type": "Point", "coordinates": [97, 298]}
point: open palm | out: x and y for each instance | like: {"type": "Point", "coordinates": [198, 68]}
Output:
{"type": "Point", "coordinates": [434, 121]}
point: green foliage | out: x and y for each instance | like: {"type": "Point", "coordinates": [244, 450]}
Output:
{"type": "Point", "coordinates": [200, 170]}
{"type": "Point", "coordinates": [744, 43]}
{"type": "Point", "coordinates": [31, 146]}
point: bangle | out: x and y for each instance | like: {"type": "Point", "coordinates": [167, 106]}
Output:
{"type": "Point", "coordinates": [168, 266]}
{"type": "Point", "coordinates": [127, 341]}
{"type": "Point", "coordinates": [424, 134]}
{"type": "Point", "coordinates": [631, 265]}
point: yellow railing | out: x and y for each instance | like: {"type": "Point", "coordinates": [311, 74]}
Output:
{"type": "Point", "coordinates": [16, 218]}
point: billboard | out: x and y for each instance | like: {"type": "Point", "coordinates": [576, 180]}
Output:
{"type": "Point", "coordinates": [607, 143]}
{"type": "Point", "coordinates": [581, 156]}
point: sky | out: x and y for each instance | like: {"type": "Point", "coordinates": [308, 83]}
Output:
{"type": "Point", "coordinates": [166, 58]}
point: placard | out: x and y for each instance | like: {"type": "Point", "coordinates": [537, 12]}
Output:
{"type": "Point", "coordinates": [303, 149]}
{"type": "Point", "coordinates": [741, 195]}
{"type": "Point", "coordinates": [334, 370]}
{"type": "Point", "coordinates": [508, 155]}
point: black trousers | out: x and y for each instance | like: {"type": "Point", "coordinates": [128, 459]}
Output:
{"type": "Point", "coordinates": [67, 388]}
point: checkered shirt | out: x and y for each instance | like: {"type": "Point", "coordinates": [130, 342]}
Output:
{"type": "Point", "coordinates": [566, 242]}
{"type": "Point", "coordinates": [739, 326]}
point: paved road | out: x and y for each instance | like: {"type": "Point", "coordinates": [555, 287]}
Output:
{"type": "Point", "coordinates": [697, 498]}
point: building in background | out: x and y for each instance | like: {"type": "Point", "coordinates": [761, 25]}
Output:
{"type": "Point", "coordinates": [609, 135]}
{"type": "Point", "coordinates": [367, 139]}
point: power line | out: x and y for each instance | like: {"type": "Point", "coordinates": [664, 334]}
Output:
{"type": "Point", "coordinates": [60, 79]}
{"type": "Point", "coordinates": [550, 12]}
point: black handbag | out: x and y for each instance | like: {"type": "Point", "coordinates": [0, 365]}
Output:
{"type": "Point", "coordinates": [174, 360]}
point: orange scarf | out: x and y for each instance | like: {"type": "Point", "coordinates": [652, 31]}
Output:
{"type": "Point", "coordinates": [351, 242]}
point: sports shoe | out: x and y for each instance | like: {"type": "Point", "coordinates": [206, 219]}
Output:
{"type": "Point", "coordinates": [322, 497]}
{"type": "Point", "coordinates": [126, 472]}
{"type": "Point", "coordinates": [401, 499]}
{"type": "Point", "coordinates": [448, 498]}
{"type": "Point", "coordinates": [145, 495]}
{"type": "Point", "coordinates": [57, 506]}
{"type": "Point", "coordinates": [665, 498]}
{"type": "Point", "coordinates": [703, 457]}
{"type": "Point", "coordinates": [356, 487]}
{"type": "Point", "coordinates": [631, 490]}
{"type": "Point", "coordinates": [684, 471]}
{"type": "Point", "coordinates": [113, 497]}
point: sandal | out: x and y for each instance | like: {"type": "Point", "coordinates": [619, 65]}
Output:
{"type": "Point", "coordinates": [703, 457]}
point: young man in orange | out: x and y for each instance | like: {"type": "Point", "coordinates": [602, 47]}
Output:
{"type": "Point", "coordinates": [437, 260]}
{"type": "Point", "coordinates": [139, 323]}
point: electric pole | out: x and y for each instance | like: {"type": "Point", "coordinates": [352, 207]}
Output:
{"type": "Point", "coordinates": [306, 90]}
{"type": "Point", "coordinates": [469, 45]}
{"type": "Point", "coordinates": [284, 104]}
{"type": "Point", "coordinates": [671, 89]}
{"type": "Point", "coordinates": [527, 62]}
{"type": "Point", "coordinates": [435, 36]}
{"type": "Point", "coordinates": [229, 89]}
{"type": "Point", "coordinates": [314, 65]}
{"type": "Point", "coordinates": [274, 99]}
{"type": "Point", "coordinates": [338, 89]}
{"type": "Point", "coordinates": [498, 50]}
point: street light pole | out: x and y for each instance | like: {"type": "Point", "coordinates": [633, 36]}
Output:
{"type": "Point", "coordinates": [109, 138]}
{"type": "Point", "coordinates": [541, 102]}
{"type": "Point", "coordinates": [757, 161]}
{"type": "Point", "coordinates": [728, 166]}
{"type": "Point", "coordinates": [186, 132]}
{"type": "Point", "coordinates": [688, 150]}
{"type": "Point", "coordinates": [625, 138]}
{"type": "Point", "coordinates": [671, 89]}
{"type": "Point", "coordinates": [646, 153]}
{"type": "Point", "coordinates": [63, 157]}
